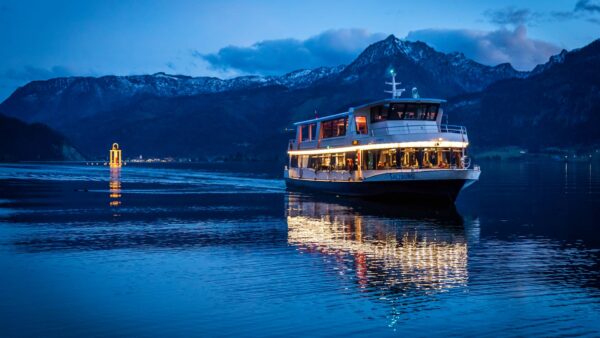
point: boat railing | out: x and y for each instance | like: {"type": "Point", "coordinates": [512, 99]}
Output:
{"type": "Point", "coordinates": [355, 175]}
{"type": "Point", "coordinates": [450, 128]}
{"type": "Point", "coordinates": [420, 129]}
{"type": "Point", "coordinates": [326, 175]}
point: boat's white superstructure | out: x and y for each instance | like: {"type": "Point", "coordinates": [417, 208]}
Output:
{"type": "Point", "coordinates": [395, 146]}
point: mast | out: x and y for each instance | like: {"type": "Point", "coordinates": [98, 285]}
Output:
{"type": "Point", "coordinates": [396, 92]}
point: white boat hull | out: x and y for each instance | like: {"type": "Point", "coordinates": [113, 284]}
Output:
{"type": "Point", "coordinates": [401, 184]}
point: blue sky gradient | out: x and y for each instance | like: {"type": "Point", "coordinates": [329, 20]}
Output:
{"type": "Point", "coordinates": [42, 39]}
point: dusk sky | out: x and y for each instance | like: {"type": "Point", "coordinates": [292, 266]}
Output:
{"type": "Point", "coordinates": [44, 39]}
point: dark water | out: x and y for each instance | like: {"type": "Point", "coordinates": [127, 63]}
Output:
{"type": "Point", "coordinates": [222, 250]}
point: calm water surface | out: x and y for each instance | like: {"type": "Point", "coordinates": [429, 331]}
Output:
{"type": "Point", "coordinates": [223, 250]}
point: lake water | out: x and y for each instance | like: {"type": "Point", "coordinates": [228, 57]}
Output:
{"type": "Point", "coordinates": [221, 250]}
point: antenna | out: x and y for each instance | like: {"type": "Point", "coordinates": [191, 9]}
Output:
{"type": "Point", "coordinates": [396, 92]}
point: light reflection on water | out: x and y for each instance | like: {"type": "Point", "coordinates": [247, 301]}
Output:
{"type": "Point", "coordinates": [114, 186]}
{"type": "Point", "coordinates": [394, 254]}
{"type": "Point", "coordinates": [195, 252]}
{"type": "Point", "coordinates": [411, 261]}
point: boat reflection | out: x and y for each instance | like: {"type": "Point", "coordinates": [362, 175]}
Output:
{"type": "Point", "coordinates": [383, 248]}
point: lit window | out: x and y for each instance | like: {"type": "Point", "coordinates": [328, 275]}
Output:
{"type": "Point", "coordinates": [334, 128]}
{"type": "Point", "coordinates": [361, 125]}
{"type": "Point", "coordinates": [308, 132]}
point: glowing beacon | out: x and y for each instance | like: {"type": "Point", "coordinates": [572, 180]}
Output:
{"type": "Point", "coordinates": [115, 156]}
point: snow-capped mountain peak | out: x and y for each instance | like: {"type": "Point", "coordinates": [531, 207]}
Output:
{"type": "Point", "coordinates": [552, 61]}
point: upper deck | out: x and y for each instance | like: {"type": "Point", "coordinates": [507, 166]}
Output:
{"type": "Point", "coordinates": [394, 122]}
{"type": "Point", "coordinates": [372, 104]}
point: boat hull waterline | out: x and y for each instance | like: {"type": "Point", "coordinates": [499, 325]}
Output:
{"type": "Point", "coordinates": [441, 185]}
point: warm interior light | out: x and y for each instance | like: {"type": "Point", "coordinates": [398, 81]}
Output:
{"type": "Point", "coordinates": [417, 144]}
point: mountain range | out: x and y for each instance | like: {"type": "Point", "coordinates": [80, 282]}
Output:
{"type": "Point", "coordinates": [557, 105]}
{"type": "Point", "coordinates": [250, 116]}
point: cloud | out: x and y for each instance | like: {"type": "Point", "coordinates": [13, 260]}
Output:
{"type": "Point", "coordinates": [510, 16]}
{"type": "Point", "coordinates": [584, 9]}
{"type": "Point", "coordinates": [591, 6]}
{"type": "Point", "coordinates": [170, 65]}
{"type": "Point", "coordinates": [490, 47]}
{"type": "Point", "coordinates": [330, 48]}
{"type": "Point", "coordinates": [29, 73]}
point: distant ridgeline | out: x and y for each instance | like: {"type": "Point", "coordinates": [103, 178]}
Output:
{"type": "Point", "coordinates": [160, 115]}
{"type": "Point", "coordinates": [20, 141]}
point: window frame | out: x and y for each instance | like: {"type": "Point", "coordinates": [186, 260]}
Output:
{"type": "Point", "coordinates": [329, 128]}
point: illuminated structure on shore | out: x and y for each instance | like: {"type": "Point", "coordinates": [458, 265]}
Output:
{"type": "Point", "coordinates": [116, 160]}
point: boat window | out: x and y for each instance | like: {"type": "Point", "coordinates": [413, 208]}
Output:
{"type": "Point", "coordinates": [421, 112]}
{"type": "Point", "coordinates": [351, 161]}
{"type": "Point", "coordinates": [294, 161]}
{"type": "Point", "coordinates": [396, 111]}
{"type": "Point", "coordinates": [334, 161]}
{"type": "Point", "coordinates": [379, 113]}
{"type": "Point", "coordinates": [410, 113]}
{"type": "Point", "coordinates": [361, 125]}
{"type": "Point", "coordinates": [432, 111]}
{"type": "Point", "coordinates": [404, 111]}
{"type": "Point", "coordinates": [313, 162]}
{"type": "Point", "coordinates": [334, 128]}
{"type": "Point", "coordinates": [455, 157]}
{"type": "Point", "coordinates": [308, 132]}
{"type": "Point", "coordinates": [386, 159]}
{"type": "Point", "coordinates": [320, 162]}
{"type": "Point", "coordinates": [338, 161]}
{"type": "Point", "coordinates": [412, 158]}
{"type": "Point", "coordinates": [371, 159]}
{"type": "Point", "coordinates": [303, 161]}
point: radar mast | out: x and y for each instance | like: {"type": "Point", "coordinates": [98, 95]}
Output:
{"type": "Point", "coordinates": [396, 92]}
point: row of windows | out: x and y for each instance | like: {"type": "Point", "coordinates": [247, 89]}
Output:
{"type": "Point", "coordinates": [399, 158]}
{"type": "Point", "coordinates": [391, 111]}
{"type": "Point", "coordinates": [308, 132]}
{"type": "Point", "coordinates": [333, 128]}
{"type": "Point", "coordinates": [404, 111]}
{"type": "Point", "coordinates": [412, 158]}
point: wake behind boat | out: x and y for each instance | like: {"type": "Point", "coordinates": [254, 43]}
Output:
{"type": "Point", "coordinates": [394, 147]}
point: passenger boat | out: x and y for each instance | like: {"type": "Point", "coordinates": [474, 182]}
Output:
{"type": "Point", "coordinates": [395, 148]}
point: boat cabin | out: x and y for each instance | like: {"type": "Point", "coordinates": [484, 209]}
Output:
{"type": "Point", "coordinates": [393, 133]}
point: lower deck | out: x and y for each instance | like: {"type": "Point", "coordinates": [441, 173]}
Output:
{"type": "Point", "coordinates": [380, 175]}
